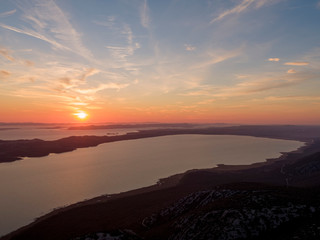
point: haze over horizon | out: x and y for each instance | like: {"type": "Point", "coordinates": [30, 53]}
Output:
{"type": "Point", "coordinates": [235, 61]}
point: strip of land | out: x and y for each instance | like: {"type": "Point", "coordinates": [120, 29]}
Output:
{"type": "Point", "coordinates": [13, 150]}
{"type": "Point", "coordinates": [141, 125]}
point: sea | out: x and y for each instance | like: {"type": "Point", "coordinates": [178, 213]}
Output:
{"type": "Point", "coordinates": [33, 187]}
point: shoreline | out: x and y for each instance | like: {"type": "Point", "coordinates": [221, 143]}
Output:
{"type": "Point", "coordinates": [166, 183]}
{"type": "Point", "coordinates": [162, 182]}
{"type": "Point", "coordinates": [283, 156]}
{"type": "Point", "coordinates": [13, 150]}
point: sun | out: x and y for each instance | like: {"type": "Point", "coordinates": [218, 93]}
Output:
{"type": "Point", "coordinates": [81, 115]}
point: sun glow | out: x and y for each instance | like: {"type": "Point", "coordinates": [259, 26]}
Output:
{"type": "Point", "coordinates": [81, 115]}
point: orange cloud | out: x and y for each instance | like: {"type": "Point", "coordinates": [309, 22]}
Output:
{"type": "Point", "coordinates": [189, 47]}
{"type": "Point", "coordinates": [296, 63]}
{"type": "Point", "coordinates": [89, 72]}
{"type": "Point", "coordinates": [4, 74]}
{"type": "Point", "coordinates": [29, 63]}
{"type": "Point", "coordinates": [293, 98]}
{"type": "Point", "coordinates": [5, 53]}
{"type": "Point", "coordinates": [291, 71]}
{"type": "Point", "coordinates": [268, 83]}
{"type": "Point", "coordinates": [274, 59]}
{"type": "Point", "coordinates": [94, 90]}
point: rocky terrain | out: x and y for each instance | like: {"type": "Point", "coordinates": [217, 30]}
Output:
{"type": "Point", "coordinates": [244, 214]}
{"type": "Point", "coordinates": [230, 212]}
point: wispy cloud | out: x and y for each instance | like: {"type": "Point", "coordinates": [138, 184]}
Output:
{"type": "Point", "coordinates": [34, 93]}
{"type": "Point", "coordinates": [189, 47]}
{"type": "Point", "coordinates": [109, 22]}
{"type": "Point", "coordinates": [25, 50]}
{"type": "Point", "coordinates": [205, 102]}
{"type": "Point", "coordinates": [291, 71]}
{"type": "Point", "coordinates": [4, 74]}
{"type": "Point", "coordinates": [121, 52]}
{"type": "Point", "coordinates": [297, 63]}
{"type": "Point", "coordinates": [76, 85]}
{"type": "Point", "coordinates": [241, 76]}
{"type": "Point", "coordinates": [66, 85]}
{"type": "Point", "coordinates": [101, 87]}
{"type": "Point", "coordinates": [197, 93]}
{"type": "Point", "coordinates": [274, 59]}
{"type": "Point", "coordinates": [144, 14]}
{"type": "Point", "coordinates": [5, 53]}
{"type": "Point", "coordinates": [218, 56]}
{"type": "Point", "coordinates": [50, 24]}
{"type": "Point", "coordinates": [28, 63]}
{"type": "Point", "coordinates": [293, 98]}
{"type": "Point", "coordinates": [237, 9]}
{"type": "Point", "coordinates": [8, 13]}
{"type": "Point", "coordinates": [89, 72]}
{"type": "Point", "coordinates": [265, 84]}
{"type": "Point", "coordinates": [69, 79]}
{"type": "Point", "coordinates": [128, 33]}
{"type": "Point", "coordinates": [51, 78]}
{"type": "Point", "coordinates": [121, 45]}
{"type": "Point", "coordinates": [261, 3]}
{"type": "Point", "coordinates": [241, 7]}
{"type": "Point", "coordinates": [35, 35]}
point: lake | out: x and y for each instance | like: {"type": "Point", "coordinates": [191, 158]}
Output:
{"type": "Point", "coordinates": [34, 186]}
{"type": "Point", "coordinates": [53, 132]}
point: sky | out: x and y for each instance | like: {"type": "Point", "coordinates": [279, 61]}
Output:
{"type": "Point", "coordinates": [205, 61]}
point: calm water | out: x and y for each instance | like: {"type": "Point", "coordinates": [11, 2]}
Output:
{"type": "Point", "coordinates": [31, 132]}
{"type": "Point", "coordinates": [33, 187]}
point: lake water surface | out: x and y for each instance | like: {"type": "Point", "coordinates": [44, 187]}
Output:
{"type": "Point", "coordinates": [34, 186]}
{"type": "Point", "coordinates": [54, 133]}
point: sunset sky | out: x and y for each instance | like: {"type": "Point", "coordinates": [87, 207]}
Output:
{"type": "Point", "coordinates": [231, 61]}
